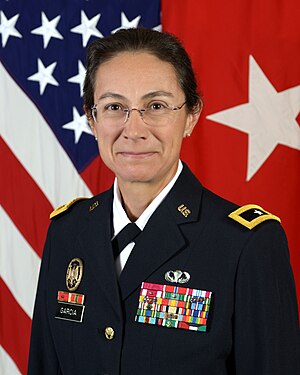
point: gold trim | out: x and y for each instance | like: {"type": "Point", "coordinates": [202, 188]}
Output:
{"type": "Point", "coordinates": [235, 215]}
{"type": "Point", "coordinates": [64, 207]}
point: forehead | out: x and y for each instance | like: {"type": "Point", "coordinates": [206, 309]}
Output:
{"type": "Point", "coordinates": [134, 74]}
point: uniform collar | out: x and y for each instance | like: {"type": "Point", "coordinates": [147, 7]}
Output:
{"type": "Point", "coordinates": [120, 218]}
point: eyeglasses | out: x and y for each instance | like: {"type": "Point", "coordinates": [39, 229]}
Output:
{"type": "Point", "coordinates": [115, 114]}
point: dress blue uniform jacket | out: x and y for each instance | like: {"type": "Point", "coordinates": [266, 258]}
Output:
{"type": "Point", "coordinates": [252, 327]}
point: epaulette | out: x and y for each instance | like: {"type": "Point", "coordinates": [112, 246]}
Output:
{"type": "Point", "coordinates": [251, 215]}
{"type": "Point", "coordinates": [64, 207]}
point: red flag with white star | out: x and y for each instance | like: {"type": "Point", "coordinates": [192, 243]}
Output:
{"type": "Point", "coordinates": [246, 146]}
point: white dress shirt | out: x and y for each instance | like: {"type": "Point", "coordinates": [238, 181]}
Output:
{"type": "Point", "coordinates": [120, 218]}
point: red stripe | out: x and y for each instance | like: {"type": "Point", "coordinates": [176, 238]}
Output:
{"type": "Point", "coordinates": [15, 326]}
{"type": "Point", "coordinates": [97, 176]}
{"type": "Point", "coordinates": [23, 200]}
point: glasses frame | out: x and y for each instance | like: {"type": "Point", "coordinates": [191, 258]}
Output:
{"type": "Point", "coordinates": [128, 111]}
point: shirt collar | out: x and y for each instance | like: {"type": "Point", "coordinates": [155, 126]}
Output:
{"type": "Point", "coordinates": [120, 218]}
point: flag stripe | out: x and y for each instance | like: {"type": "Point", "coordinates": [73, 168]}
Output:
{"type": "Point", "coordinates": [15, 328]}
{"type": "Point", "coordinates": [7, 366]}
{"type": "Point", "coordinates": [49, 165]}
{"type": "Point", "coordinates": [25, 202]}
{"type": "Point", "coordinates": [100, 181]}
{"type": "Point", "coordinates": [19, 264]}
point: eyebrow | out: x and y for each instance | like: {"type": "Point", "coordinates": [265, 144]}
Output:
{"type": "Point", "coordinates": [149, 95]}
{"type": "Point", "coordinates": [158, 93]}
{"type": "Point", "coordinates": [111, 95]}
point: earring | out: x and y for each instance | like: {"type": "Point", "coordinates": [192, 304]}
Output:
{"type": "Point", "coordinates": [96, 139]}
{"type": "Point", "coordinates": [187, 135]}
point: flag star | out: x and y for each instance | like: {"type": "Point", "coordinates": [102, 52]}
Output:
{"type": "Point", "coordinates": [126, 24]}
{"type": "Point", "coordinates": [7, 27]}
{"type": "Point", "coordinates": [44, 76]}
{"type": "Point", "coordinates": [78, 125]}
{"type": "Point", "coordinates": [157, 28]}
{"type": "Point", "coordinates": [48, 29]}
{"type": "Point", "coordinates": [269, 118]}
{"type": "Point", "coordinates": [87, 28]}
{"type": "Point", "coordinates": [79, 78]}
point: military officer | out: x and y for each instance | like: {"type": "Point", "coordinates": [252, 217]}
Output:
{"type": "Point", "coordinates": [158, 275]}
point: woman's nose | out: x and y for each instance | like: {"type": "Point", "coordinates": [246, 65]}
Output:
{"type": "Point", "coordinates": [134, 126]}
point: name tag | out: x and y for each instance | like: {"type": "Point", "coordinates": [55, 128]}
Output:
{"type": "Point", "coordinates": [69, 311]}
{"type": "Point", "coordinates": [174, 307]}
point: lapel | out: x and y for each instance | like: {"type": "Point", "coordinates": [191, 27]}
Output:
{"type": "Point", "coordinates": [165, 234]}
{"type": "Point", "coordinates": [95, 240]}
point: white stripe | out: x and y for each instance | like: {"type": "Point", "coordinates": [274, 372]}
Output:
{"type": "Point", "coordinates": [19, 264]}
{"type": "Point", "coordinates": [7, 366]}
{"type": "Point", "coordinates": [34, 144]}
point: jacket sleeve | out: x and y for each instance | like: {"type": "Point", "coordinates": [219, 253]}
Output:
{"type": "Point", "coordinates": [42, 356]}
{"type": "Point", "coordinates": [266, 328]}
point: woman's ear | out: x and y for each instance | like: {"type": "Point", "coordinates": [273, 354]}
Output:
{"type": "Point", "coordinates": [90, 120]}
{"type": "Point", "coordinates": [192, 119]}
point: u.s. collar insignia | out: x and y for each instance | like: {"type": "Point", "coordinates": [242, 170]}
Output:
{"type": "Point", "coordinates": [184, 210]}
{"type": "Point", "coordinates": [74, 274]}
{"type": "Point", "coordinates": [177, 276]}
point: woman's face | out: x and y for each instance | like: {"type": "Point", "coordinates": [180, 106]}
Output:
{"type": "Point", "coordinates": [134, 150]}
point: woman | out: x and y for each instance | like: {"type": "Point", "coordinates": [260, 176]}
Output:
{"type": "Point", "coordinates": [200, 286]}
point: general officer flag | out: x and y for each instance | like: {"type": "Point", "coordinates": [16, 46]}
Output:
{"type": "Point", "coordinates": [246, 146]}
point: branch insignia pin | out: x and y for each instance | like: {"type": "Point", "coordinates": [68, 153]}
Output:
{"type": "Point", "coordinates": [74, 274]}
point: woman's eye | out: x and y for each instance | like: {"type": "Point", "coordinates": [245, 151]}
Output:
{"type": "Point", "coordinates": [157, 106]}
{"type": "Point", "coordinates": [113, 107]}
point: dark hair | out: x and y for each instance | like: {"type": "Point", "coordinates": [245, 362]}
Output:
{"type": "Point", "coordinates": [164, 46]}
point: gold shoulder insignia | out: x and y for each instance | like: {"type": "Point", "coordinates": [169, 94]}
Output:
{"type": "Point", "coordinates": [64, 207]}
{"type": "Point", "coordinates": [251, 215]}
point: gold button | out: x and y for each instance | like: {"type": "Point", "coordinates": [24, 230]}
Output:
{"type": "Point", "coordinates": [109, 333]}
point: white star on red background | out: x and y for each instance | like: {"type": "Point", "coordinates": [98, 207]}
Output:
{"type": "Point", "coordinates": [269, 118]}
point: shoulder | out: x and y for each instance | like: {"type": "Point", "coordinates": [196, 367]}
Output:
{"type": "Point", "coordinates": [219, 211]}
{"type": "Point", "coordinates": [79, 206]}
{"type": "Point", "coordinates": [249, 217]}
{"type": "Point", "coordinates": [65, 207]}
{"type": "Point", "coordinates": [252, 215]}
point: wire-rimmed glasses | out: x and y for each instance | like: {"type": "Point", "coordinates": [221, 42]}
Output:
{"type": "Point", "coordinates": [115, 114]}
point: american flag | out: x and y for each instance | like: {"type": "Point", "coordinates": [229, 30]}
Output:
{"type": "Point", "coordinates": [246, 146]}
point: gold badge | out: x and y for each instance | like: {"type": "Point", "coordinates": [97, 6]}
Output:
{"type": "Point", "coordinates": [184, 210]}
{"type": "Point", "coordinates": [109, 333]}
{"type": "Point", "coordinates": [74, 274]}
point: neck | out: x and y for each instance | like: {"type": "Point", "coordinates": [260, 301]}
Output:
{"type": "Point", "coordinates": [137, 196]}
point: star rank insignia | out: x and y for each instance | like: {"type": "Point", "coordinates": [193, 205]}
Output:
{"type": "Point", "coordinates": [251, 215]}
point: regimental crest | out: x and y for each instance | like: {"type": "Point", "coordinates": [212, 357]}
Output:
{"type": "Point", "coordinates": [251, 215]}
{"type": "Point", "coordinates": [74, 274]}
{"type": "Point", "coordinates": [177, 276]}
